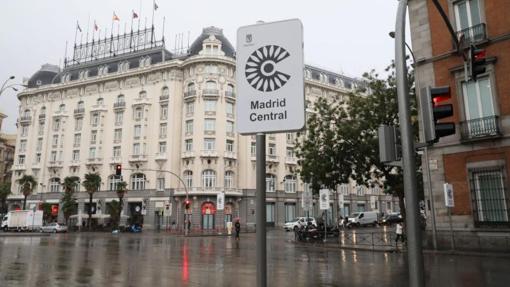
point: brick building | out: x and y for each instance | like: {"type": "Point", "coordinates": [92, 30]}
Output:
{"type": "Point", "coordinates": [474, 160]}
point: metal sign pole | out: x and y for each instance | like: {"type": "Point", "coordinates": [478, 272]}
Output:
{"type": "Point", "coordinates": [261, 211]}
{"type": "Point", "coordinates": [415, 254]}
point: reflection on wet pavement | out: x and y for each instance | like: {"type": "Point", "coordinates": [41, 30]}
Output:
{"type": "Point", "coordinates": [159, 259]}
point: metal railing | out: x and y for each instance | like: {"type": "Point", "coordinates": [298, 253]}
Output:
{"type": "Point", "coordinates": [79, 111]}
{"type": "Point", "coordinates": [230, 94]}
{"type": "Point", "coordinates": [119, 105]}
{"type": "Point", "coordinates": [479, 128]}
{"type": "Point", "coordinates": [190, 93]}
{"type": "Point", "coordinates": [163, 97]}
{"type": "Point", "coordinates": [472, 34]}
{"type": "Point", "coordinates": [25, 118]}
{"type": "Point", "coordinates": [210, 92]}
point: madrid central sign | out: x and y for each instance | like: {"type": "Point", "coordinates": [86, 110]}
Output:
{"type": "Point", "coordinates": [269, 72]}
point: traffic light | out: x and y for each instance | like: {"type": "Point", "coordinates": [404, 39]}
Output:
{"type": "Point", "coordinates": [187, 204]}
{"type": "Point", "coordinates": [118, 170]}
{"type": "Point", "coordinates": [477, 62]}
{"type": "Point", "coordinates": [433, 111]}
{"type": "Point", "coordinates": [390, 148]}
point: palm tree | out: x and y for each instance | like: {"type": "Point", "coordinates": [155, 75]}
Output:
{"type": "Point", "coordinates": [27, 183]}
{"type": "Point", "coordinates": [68, 200]}
{"type": "Point", "coordinates": [91, 183]}
{"type": "Point", "coordinates": [5, 190]}
{"type": "Point", "coordinates": [121, 191]}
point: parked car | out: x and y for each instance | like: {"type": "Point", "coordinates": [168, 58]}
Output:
{"type": "Point", "coordinates": [392, 218]}
{"type": "Point", "coordinates": [363, 218]}
{"type": "Point", "coordinates": [293, 225]}
{"type": "Point", "coordinates": [54, 227]}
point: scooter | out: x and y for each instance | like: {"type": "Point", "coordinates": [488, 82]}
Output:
{"type": "Point", "coordinates": [135, 228]}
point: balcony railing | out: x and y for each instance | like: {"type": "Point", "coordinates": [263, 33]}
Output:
{"type": "Point", "coordinates": [164, 97]}
{"type": "Point", "coordinates": [79, 111]}
{"type": "Point", "coordinates": [161, 156]}
{"type": "Point", "coordinates": [209, 153]}
{"type": "Point", "coordinates": [188, 154]}
{"type": "Point", "coordinates": [230, 94]}
{"type": "Point", "coordinates": [119, 105]}
{"type": "Point", "coordinates": [210, 92]}
{"type": "Point", "coordinates": [230, 154]}
{"type": "Point", "coordinates": [480, 128]}
{"type": "Point", "coordinates": [190, 93]}
{"type": "Point", "coordinates": [472, 34]}
{"type": "Point", "coordinates": [272, 158]}
{"type": "Point", "coordinates": [25, 119]}
{"type": "Point", "coordinates": [42, 116]}
{"type": "Point", "coordinates": [138, 157]}
{"type": "Point", "coordinates": [291, 160]}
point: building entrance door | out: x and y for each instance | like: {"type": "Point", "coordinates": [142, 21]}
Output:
{"type": "Point", "coordinates": [208, 213]}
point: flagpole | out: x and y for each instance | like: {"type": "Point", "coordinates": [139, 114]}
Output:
{"type": "Point", "coordinates": [139, 16]}
{"type": "Point", "coordinates": [76, 32]}
{"type": "Point", "coordinates": [113, 19]}
{"type": "Point", "coordinates": [88, 25]}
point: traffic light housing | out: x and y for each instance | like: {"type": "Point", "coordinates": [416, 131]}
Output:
{"type": "Point", "coordinates": [477, 62]}
{"type": "Point", "coordinates": [432, 111]}
{"type": "Point", "coordinates": [118, 170]}
{"type": "Point", "coordinates": [187, 204]}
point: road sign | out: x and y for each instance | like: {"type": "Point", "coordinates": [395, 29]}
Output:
{"type": "Point", "coordinates": [448, 195]}
{"type": "Point", "coordinates": [324, 199]}
{"type": "Point", "coordinates": [270, 79]}
{"type": "Point", "coordinates": [307, 200]}
{"type": "Point", "coordinates": [220, 201]}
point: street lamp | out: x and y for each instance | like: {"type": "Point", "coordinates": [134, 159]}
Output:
{"type": "Point", "coordinates": [3, 85]}
{"type": "Point", "coordinates": [392, 35]}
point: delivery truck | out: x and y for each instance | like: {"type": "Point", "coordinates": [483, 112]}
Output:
{"type": "Point", "coordinates": [23, 220]}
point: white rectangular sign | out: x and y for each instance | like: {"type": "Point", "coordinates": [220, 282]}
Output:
{"type": "Point", "coordinates": [270, 77]}
{"type": "Point", "coordinates": [220, 201]}
{"type": "Point", "coordinates": [167, 211]}
{"type": "Point", "coordinates": [324, 199]}
{"type": "Point", "coordinates": [448, 195]}
{"type": "Point", "coordinates": [307, 200]}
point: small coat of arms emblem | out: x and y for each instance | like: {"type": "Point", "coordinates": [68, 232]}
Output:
{"type": "Point", "coordinates": [249, 38]}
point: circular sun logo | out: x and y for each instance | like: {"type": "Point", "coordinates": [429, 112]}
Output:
{"type": "Point", "coordinates": [261, 71]}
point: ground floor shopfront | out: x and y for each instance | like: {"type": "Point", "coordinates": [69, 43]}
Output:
{"type": "Point", "coordinates": [165, 210]}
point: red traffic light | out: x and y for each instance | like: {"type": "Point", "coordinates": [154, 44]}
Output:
{"type": "Point", "coordinates": [187, 204]}
{"type": "Point", "coordinates": [118, 170]}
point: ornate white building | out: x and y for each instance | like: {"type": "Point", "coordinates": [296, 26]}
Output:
{"type": "Point", "coordinates": [151, 110]}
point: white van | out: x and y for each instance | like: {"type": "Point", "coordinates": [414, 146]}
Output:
{"type": "Point", "coordinates": [364, 218]}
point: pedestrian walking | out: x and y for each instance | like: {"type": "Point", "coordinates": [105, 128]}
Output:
{"type": "Point", "coordinates": [237, 226]}
{"type": "Point", "coordinates": [399, 230]}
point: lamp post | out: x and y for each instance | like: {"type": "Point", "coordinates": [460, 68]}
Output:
{"type": "Point", "coordinates": [5, 83]}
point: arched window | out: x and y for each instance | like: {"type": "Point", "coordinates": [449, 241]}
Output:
{"type": "Point", "coordinates": [55, 184]}
{"type": "Point", "coordinates": [113, 180]}
{"type": "Point", "coordinates": [81, 105]}
{"type": "Point", "coordinates": [43, 110]}
{"type": "Point", "coordinates": [100, 101]}
{"type": "Point", "coordinates": [191, 87]}
{"type": "Point", "coordinates": [120, 98]}
{"type": "Point", "coordinates": [62, 108]}
{"type": "Point", "coordinates": [188, 178]}
{"type": "Point", "coordinates": [143, 95]}
{"type": "Point", "coordinates": [229, 179]}
{"type": "Point", "coordinates": [138, 181]}
{"type": "Point", "coordinates": [208, 179]}
{"type": "Point", "coordinates": [210, 85]}
{"type": "Point", "coordinates": [165, 92]}
{"type": "Point", "coordinates": [270, 182]}
{"type": "Point", "coordinates": [26, 113]}
{"type": "Point", "coordinates": [290, 183]}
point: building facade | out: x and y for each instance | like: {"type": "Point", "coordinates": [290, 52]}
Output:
{"type": "Point", "coordinates": [158, 114]}
{"type": "Point", "coordinates": [475, 159]}
{"type": "Point", "coordinates": [7, 143]}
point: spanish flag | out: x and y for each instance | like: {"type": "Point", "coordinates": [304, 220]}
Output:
{"type": "Point", "coordinates": [115, 17]}
{"type": "Point", "coordinates": [134, 15]}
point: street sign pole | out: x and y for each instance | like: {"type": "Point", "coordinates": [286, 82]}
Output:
{"type": "Point", "coordinates": [414, 242]}
{"type": "Point", "coordinates": [261, 212]}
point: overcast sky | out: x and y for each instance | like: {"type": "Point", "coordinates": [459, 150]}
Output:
{"type": "Point", "coordinates": [345, 36]}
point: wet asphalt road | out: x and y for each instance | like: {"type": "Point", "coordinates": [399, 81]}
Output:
{"type": "Point", "coordinates": [159, 259]}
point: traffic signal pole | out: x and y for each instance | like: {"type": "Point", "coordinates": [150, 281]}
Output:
{"type": "Point", "coordinates": [260, 214]}
{"type": "Point", "coordinates": [414, 242]}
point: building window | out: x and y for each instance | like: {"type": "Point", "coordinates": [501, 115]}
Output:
{"type": "Point", "coordinates": [39, 144]}
{"type": "Point", "coordinates": [117, 135]}
{"type": "Point", "coordinates": [290, 211]}
{"type": "Point", "coordinates": [272, 149]}
{"type": "Point", "coordinates": [210, 85]}
{"type": "Point", "coordinates": [164, 113]}
{"type": "Point", "coordinates": [116, 152]}
{"type": "Point", "coordinates": [189, 127]}
{"type": "Point", "coordinates": [56, 125]}
{"type": "Point", "coordinates": [77, 140]}
{"type": "Point", "coordinates": [93, 137]}
{"type": "Point", "coordinates": [113, 180]}
{"type": "Point", "coordinates": [208, 179]}
{"type": "Point", "coordinates": [230, 127]}
{"type": "Point", "coordinates": [55, 184]}
{"type": "Point", "coordinates": [76, 155]}
{"type": "Point", "coordinates": [138, 181]}
{"type": "Point", "coordinates": [54, 140]}
{"type": "Point", "coordinates": [290, 152]}
{"type": "Point", "coordinates": [100, 102]}
{"type": "Point", "coordinates": [162, 131]}
{"type": "Point", "coordinates": [21, 159]}
{"type": "Point", "coordinates": [136, 149]}
{"type": "Point", "coordinates": [479, 107]}
{"type": "Point", "coordinates": [360, 190]}
{"type": "Point", "coordinates": [230, 109]}
{"type": "Point", "coordinates": [138, 114]}
{"type": "Point", "coordinates": [41, 127]}
{"type": "Point", "coordinates": [62, 108]}
{"type": "Point", "coordinates": [209, 125]}
{"type": "Point", "coordinates": [118, 118]}
{"type": "Point", "coordinates": [188, 145]}
{"type": "Point", "coordinates": [53, 156]}
{"type": "Point", "coordinates": [190, 108]}
{"type": "Point", "coordinates": [209, 144]}
{"type": "Point", "coordinates": [290, 184]}
{"type": "Point", "coordinates": [253, 148]}
{"type": "Point", "coordinates": [160, 184]}
{"type": "Point", "coordinates": [92, 153]}
{"type": "Point", "coordinates": [120, 99]}
{"type": "Point", "coordinates": [188, 178]}
{"type": "Point", "coordinates": [270, 212]}
{"type": "Point", "coordinates": [489, 195]}
{"type": "Point", "coordinates": [162, 147]}
{"type": "Point", "coordinates": [270, 183]}
{"type": "Point", "coordinates": [94, 120]}
{"type": "Point", "coordinates": [137, 131]}
{"type": "Point", "coordinates": [230, 145]}
{"type": "Point", "coordinates": [467, 14]}
{"type": "Point", "coordinates": [22, 145]}
{"type": "Point", "coordinates": [78, 124]}
{"type": "Point", "coordinates": [210, 105]}
{"type": "Point", "coordinates": [229, 179]}
{"type": "Point", "coordinates": [38, 158]}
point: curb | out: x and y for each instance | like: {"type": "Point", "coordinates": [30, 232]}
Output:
{"type": "Point", "coordinates": [2, 234]}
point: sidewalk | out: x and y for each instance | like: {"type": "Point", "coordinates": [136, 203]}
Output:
{"type": "Point", "coordinates": [23, 234]}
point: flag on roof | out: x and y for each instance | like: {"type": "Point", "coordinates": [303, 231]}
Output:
{"type": "Point", "coordinates": [95, 26]}
{"type": "Point", "coordinates": [115, 17]}
{"type": "Point", "coordinates": [156, 6]}
{"type": "Point", "coordinates": [78, 26]}
{"type": "Point", "coordinates": [135, 15]}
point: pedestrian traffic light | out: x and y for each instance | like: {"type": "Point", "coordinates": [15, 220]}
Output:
{"type": "Point", "coordinates": [432, 111]}
{"type": "Point", "coordinates": [477, 62]}
{"type": "Point", "coordinates": [187, 204]}
{"type": "Point", "coordinates": [118, 170]}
